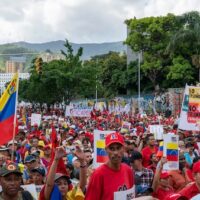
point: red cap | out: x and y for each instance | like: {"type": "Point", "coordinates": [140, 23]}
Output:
{"type": "Point", "coordinates": [164, 175]}
{"type": "Point", "coordinates": [196, 167]}
{"type": "Point", "coordinates": [114, 138]}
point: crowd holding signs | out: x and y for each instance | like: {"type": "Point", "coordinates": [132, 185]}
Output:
{"type": "Point", "coordinates": [96, 153]}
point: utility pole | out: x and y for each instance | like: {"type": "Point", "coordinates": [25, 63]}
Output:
{"type": "Point", "coordinates": [139, 61]}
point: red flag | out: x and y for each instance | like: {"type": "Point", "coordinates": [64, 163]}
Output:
{"type": "Point", "coordinates": [55, 143]}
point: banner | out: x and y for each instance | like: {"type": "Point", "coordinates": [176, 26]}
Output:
{"type": "Point", "coordinates": [184, 124]}
{"type": "Point", "coordinates": [77, 112]}
{"type": "Point", "coordinates": [157, 130]}
{"type": "Point", "coordinates": [170, 151]}
{"type": "Point", "coordinates": [100, 155]}
{"type": "Point", "coordinates": [125, 195]}
{"type": "Point", "coordinates": [35, 119]}
{"type": "Point", "coordinates": [194, 105]}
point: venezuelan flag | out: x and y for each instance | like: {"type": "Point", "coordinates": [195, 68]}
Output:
{"type": "Point", "coordinates": [172, 152]}
{"type": "Point", "coordinates": [101, 152]}
{"type": "Point", "coordinates": [7, 110]}
{"type": "Point", "coordinates": [160, 150]}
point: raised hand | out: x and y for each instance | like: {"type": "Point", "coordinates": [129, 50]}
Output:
{"type": "Point", "coordinates": [79, 154]}
{"type": "Point", "coordinates": [60, 152]}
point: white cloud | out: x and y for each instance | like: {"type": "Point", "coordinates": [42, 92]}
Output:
{"type": "Point", "coordinates": [79, 20]}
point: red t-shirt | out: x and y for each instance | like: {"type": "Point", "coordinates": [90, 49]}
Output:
{"type": "Point", "coordinates": [190, 190]}
{"type": "Point", "coordinates": [146, 153]}
{"type": "Point", "coordinates": [105, 181]}
{"type": "Point", "coordinates": [163, 193]}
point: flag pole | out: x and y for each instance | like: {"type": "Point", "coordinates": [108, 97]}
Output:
{"type": "Point", "coordinates": [15, 117]}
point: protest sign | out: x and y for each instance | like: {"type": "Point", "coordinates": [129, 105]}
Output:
{"type": "Point", "coordinates": [184, 124]}
{"type": "Point", "coordinates": [194, 105]}
{"type": "Point", "coordinates": [100, 155]}
{"type": "Point", "coordinates": [35, 119]}
{"type": "Point", "coordinates": [125, 195]}
{"type": "Point", "coordinates": [77, 112]}
{"type": "Point", "coordinates": [170, 151]}
{"type": "Point", "coordinates": [157, 130]}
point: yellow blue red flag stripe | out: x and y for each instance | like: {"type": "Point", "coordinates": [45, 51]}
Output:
{"type": "Point", "coordinates": [7, 110]}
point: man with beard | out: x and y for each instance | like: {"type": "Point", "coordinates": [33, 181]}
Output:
{"type": "Point", "coordinates": [112, 176]}
{"type": "Point", "coordinates": [10, 180]}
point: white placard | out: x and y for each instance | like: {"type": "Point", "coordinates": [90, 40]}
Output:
{"type": "Point", "coordinates": [157, 130]}
{"type": "Point", "coordinates": [35, 119]}
{"type": "Point", "coordinates": [125, 195]}
{"type": "Point", "coordinates": [99, 147]}
{"type": "Point", "coordinates": [77, 112]}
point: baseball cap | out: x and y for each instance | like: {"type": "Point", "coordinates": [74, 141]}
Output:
{"type": "Point", "coordinates": [59, 175]}
{"type": "Point", "coordinates": [164, 175]}
{"type": "Point", "coordinates": [196, 167]}
{"type": "Point", "coordinates": [40, 170]}
{"type": "Point", "coordinates": [10, 168]}
{"type": "Point", "coordinates": [41, 143]}
{"type": "Point", "coordinates": [114, 138]}
{"type": "Point", "coordinates": [29, 159]}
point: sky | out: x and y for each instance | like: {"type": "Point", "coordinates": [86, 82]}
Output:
{"type": "Point", "coordinates": [79, 21]}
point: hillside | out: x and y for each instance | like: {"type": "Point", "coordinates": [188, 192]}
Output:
{"type": "Point", "coordinates": [89, 50]}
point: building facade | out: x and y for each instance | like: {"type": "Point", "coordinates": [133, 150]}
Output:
{"type": "Point", "coordinates": [15, 64]}
{"type": "Point", "coordinates": [6, 77]}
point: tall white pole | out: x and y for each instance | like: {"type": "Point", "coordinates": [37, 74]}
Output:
{"type": "Point", "coordinates": [96, 90]}
{"type": "Point", "coordinates": [139, 81]}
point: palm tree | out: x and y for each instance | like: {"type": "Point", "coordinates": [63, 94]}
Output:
{"type": "Point", "coordinates": [190, 32]}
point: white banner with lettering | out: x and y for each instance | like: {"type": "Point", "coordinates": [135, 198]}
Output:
{"type": "Point", "coordinates": [125, 195]}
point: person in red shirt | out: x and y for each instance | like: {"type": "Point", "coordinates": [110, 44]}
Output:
{"type": "Point", "coordinates": [148, 150]}
{"type": "Point", "coordinates": [161, 185]}
{"type": "Point", "coordinates": [193, 189]}
{"type": "Point", "coordinates": [112, 176]}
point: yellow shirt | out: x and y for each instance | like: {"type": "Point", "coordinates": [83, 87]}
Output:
{"type": "Point", "coordinates": [75, 194]}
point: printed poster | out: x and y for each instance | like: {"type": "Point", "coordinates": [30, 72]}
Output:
{"type": "Point", "coordinates": [170, 151]}
{"type": "Point", "coordinates": [100, 155]}
{"type": "Point", "coordinates": [184, 124]}
{"type": "Point", "coordinates": [194, 105]}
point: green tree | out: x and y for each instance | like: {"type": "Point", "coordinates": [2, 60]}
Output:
{"type": "Point", "coordinates": [180, 72]}
{"type": "Point", "coordinates": [189, 36]}
{"type": "Point", "coordinates": [151, 36]}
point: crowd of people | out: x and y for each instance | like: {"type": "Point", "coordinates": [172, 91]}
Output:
{"type": "Point", "coordinates": [57, 156]}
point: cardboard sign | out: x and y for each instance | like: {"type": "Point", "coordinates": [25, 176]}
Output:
{"type": "Point", "coordinates": [125, 195]}
{"type": "Point", "coordinates": [170, 151]}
